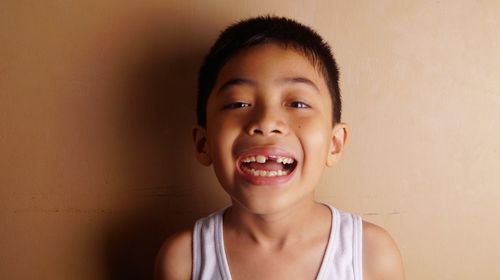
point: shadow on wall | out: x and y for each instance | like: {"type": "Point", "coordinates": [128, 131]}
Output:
{"type": "Point", "coordinates": [159, 86]}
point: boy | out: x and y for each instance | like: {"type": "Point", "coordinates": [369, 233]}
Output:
{"type": "Point", "coordinates": [269, 122]}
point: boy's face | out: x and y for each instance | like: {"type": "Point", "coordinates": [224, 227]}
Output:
{"type": "Point", "coordinates": [269, 130]}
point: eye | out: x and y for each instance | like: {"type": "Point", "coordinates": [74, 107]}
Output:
{"type": "Point", "coordinates": [236, 105]}
{"type": "Point", "coordinates": [299, 105]}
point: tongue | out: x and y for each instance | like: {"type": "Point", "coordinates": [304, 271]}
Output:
{"type": "Point", "coordinates": [268, 165]}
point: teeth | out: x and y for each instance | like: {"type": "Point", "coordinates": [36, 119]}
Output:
{"type": "Point", "coordinates": [260, 159]}
{"type": "Point", "coordinates": [264, 173]}
{"type": "Point", "coordinates": [248, 159]}
{"type": "Point", "coordinates": [263, 159]}
{"type": "Point", "coordinates": [285, 160]}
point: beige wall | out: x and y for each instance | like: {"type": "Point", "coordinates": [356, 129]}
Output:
{"type": "Point", "coordinates": [97, 99]}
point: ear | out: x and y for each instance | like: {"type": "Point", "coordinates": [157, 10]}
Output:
{"type": "Point", "coordinates": [339, 139]}
{"type": "Point", "coordinates": [199, 135]}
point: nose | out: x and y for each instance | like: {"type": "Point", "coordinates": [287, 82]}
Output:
{"type": "Point", "coordinates": [268, 121]}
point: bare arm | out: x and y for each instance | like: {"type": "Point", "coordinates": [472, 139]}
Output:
{"type": "Point", "coordinates": [381, 257]}
{"type": "Point", "coordinates": [174, 261]}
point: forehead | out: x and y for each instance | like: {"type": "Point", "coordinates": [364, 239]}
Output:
{"type": "Point", "coordinates": [271, 61]}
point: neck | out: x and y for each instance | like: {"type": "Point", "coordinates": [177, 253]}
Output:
{"type": "Point", "coordinates": [277, 230]}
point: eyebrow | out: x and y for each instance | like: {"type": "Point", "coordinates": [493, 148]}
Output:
{"type": "Point", "coordinates": [299, 80]}
{"type": "Point", "coordinates": [286, 80]}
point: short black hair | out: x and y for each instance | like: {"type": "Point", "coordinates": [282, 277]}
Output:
{"type": "Point", "coordinates": [261, 30]}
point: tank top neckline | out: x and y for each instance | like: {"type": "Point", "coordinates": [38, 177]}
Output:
{"type": "Point", "coordinates": [327, 257]}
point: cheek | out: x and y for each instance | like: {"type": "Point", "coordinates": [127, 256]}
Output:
{"type": "Point", "coordinates": [315, 140]}
{"type": "Point", "coordinates": [221, 137]}
{"type": "Point", "coordinates": [314, 132]}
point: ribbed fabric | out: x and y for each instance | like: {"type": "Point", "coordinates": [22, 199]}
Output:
{"type": "Point", "coordinates": [342, 259]}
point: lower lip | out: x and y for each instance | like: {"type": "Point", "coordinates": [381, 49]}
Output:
{"type": "Point", "coordinates": [264, 180]}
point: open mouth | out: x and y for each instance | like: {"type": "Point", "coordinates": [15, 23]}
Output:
{"type": "Point", "coordinates": [267, 165]}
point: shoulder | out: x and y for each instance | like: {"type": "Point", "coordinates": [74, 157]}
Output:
{"type": "Point", "coordinates": [174, 261]}
{"type": "Point", "coordinates": [381, 257]}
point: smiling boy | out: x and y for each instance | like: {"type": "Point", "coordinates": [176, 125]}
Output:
{"type": "Point", "coordinates": [269, 123]}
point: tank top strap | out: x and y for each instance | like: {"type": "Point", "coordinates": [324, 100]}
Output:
{"type": "Point", "coordinates": [343, 255]}
{"type": "Point", "coordinates": [209, 257]}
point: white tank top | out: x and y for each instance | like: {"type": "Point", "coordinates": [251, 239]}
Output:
{"type": "Point", "coordinates": [342, 259]}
